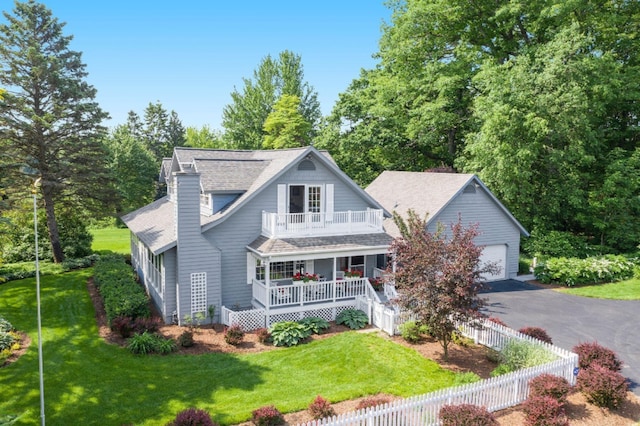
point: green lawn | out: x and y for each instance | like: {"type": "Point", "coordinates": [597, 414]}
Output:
{"type": "Point", "coordinates": [622, 290]}
{"type": "Point", "coordinates": [112, 238]}
{"type": "Point", "coordinates": [90, 382]}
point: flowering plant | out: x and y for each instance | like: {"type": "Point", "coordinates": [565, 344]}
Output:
{"type": "Point", "coordinates": [352, 273]}
{"type": "Point", "coordinates": [305, 277]}
{"type": "Point", "coordinates": [376, 283]}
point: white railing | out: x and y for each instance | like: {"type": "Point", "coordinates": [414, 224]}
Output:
{"type": "Point", "coordinates": [310, 292]}
{"type": "Point", "coordinates": [248, 320]}
{"type": "Point", "coordinates": [495, 394]}
{"type": "Point", "coordinates": [277, 225]}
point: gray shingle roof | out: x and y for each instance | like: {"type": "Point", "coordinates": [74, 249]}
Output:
{"type": "Point", "coordinates": [228, 175]}
{"type": "Point", "coordinates": [425, 193]}
{"type": "Point", "coordinates": [154, 224]}
{"type": "Point", "coordinates": [281, 246]}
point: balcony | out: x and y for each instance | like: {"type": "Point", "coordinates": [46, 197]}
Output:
{"type": "Point", "coordinates": [287, 225]}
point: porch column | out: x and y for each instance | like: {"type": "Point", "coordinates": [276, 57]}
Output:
{"type": "Point", "coordinates": [267, 283]}
{"type": "Point", "coordinates": [267, 273]}
{"type": "Point", "coordinates": [335, 279]}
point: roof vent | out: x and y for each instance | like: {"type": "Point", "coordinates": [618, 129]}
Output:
{"type": "Point", "coordinates": [306, 165]}
{"type": "Point", "coordinates": [470, 189]}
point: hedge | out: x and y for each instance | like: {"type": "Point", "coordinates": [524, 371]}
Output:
{"type": "Point", "coordinates": [122, 295]}
{"type": "Point", "coordinates": [592, 270]}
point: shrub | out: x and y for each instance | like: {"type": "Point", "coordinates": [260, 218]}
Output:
{"type": "Point", "coordinates": [123, 326]}
{"type": "Point", "coordinates": [372, 401]}
{"type": "Point", "coordinates": [122, 296]}
{"type": "Point", "coordinates": [413, 332]}
{"type": "Point", "coordinates": [6, 340]}
{"type": "Point", "coordinates": [142, 324]}
{"type": "Point", "coordinates": [502, 369]}
{"type": "Point", "coordinates": [466, 415]}
{"type": "Point", "coordinates": [544, 411]}
{"type": "Point", "coordinates": [353, 318]}
{"type": "Point", "coordinates": [288, 333]}
{"type": "Point", "coordinates": [592, 270]}
{"type": "Point", "coordinates": [498, 321]}
{"type": "Point", "coordinates": [321, 408]}
{"type": "Point", "coordinates": [192, 417]}
{"type": "Point", "coordinates": [186, 339]}
{"type": "Point", "coordinates": [267, 416]}
{"type": "Point", "coordinates": [315, 325]}
{"type": "Point", "coordinates": [592, 353]}
{"type": "Point", "coordinates": [5, 326]}
{"type": "Point", "coordinates": [264, 336]}
{"type": "Point", "coordinates": [518, 354]}
{"type": "Point", "coordinates": [602, 387]}
{"type": "Point", "coordinates": [234, 335]}
{"type": "Point", "coordinates": [546, 384]}
{"type": "Point", "coordinates": [537, 333]}
{"type": "Point", "coordinates": [148, 343]}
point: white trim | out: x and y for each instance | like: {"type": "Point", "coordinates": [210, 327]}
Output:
{"type": "Point", "coordinates": [282, 198]}
{"type": "Point", "coordinates": [328, 205]}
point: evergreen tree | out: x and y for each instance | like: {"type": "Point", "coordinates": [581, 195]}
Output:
{"type": "Point", "coordinates": [49, 121]}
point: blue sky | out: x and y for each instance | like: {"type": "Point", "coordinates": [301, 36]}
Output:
{"type": "Point", "coordinates": [189, 55]}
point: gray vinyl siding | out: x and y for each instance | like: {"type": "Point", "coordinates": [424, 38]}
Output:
{"type": "Point", "coordinates": [194, 253]}
{"type": "Point", "coordinates": [169, 272]}
{"type": "Point", "coordinates": [244, 226]}
{"type": "Point", "coordinates": [495, 226]}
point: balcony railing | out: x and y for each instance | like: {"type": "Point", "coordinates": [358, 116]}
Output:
{"type": "Point", "coordinates": [276, 296]}
{"type": "Point", "coordinates": [278, 225]}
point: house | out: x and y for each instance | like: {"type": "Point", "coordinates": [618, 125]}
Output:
{"type": "Point", "coordinates": [441, 197]}
{"type": "Point", "coordinates": [273, 233]}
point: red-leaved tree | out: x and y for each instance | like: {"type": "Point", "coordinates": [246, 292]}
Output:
{"type": "Point", "coordinates": [438, 275]}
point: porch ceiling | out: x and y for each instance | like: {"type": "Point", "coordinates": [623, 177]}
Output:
{"type": "Point", "coordinates": [359, 243]}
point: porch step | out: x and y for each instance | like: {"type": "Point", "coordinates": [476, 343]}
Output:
{"type": "Point", "coordinates": [382, 296]}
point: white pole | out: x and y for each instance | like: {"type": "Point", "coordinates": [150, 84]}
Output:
{"type": "Point", "coordinates": [40, 367]}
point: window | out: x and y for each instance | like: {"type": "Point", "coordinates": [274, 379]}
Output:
{"type": "Point", "coordinates": [352, 263]}
{"type": "Point", "coordinates": [279, 270]}
{"type": "Point", "coordinates": [305, 199]}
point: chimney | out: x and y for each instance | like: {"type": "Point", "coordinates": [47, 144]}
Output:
{"type": "Point", "coordinates": [187, 206]}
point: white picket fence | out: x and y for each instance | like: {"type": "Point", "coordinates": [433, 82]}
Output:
{"type": "Point", "coordinates": [495, 394]}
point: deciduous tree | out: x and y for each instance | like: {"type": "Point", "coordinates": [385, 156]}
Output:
{"type": "Point", "coordinates": [49, 121]}
{"type": "Point", "coordinates": [438, 275]}
{"type": "Point", "coordinates": [285, 126]}
{"type": "Point", "coordinates": [244, 118]}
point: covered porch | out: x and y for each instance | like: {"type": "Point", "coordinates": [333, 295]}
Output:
{"type": "Point", "coordinates": [298, 274]}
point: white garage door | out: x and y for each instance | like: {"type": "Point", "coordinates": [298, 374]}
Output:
{"type": "Point", "coordinates": [495, 253]}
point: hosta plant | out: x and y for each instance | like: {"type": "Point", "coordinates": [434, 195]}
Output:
{"type": "Point", "coordinates": [315, 325]}
{"type": "Point", "coordinates": [353, 318]}
{"type": "Point", "coordinates": [288, 333]}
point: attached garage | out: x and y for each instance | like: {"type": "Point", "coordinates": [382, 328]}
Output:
{"type": "Point", "coordinates": [497, 254]}
{"type": "Point", "coordinates": [443, 198]}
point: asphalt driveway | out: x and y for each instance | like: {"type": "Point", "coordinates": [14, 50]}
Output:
{"type": "Point", "coordinates": [570, 320]}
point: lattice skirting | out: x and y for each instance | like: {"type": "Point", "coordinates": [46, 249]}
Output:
{"type": "Point", "coordinates": [257, 318]}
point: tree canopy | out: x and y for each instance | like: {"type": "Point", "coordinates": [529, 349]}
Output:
{"type": "Point", "coordinates": [537, 98]}
{"type": "Point", "coordinates": [244, 118]}
{"type": "Point", "coordinates": [50, 125]}
{"type": "Point", "coordinates": [285, 126]}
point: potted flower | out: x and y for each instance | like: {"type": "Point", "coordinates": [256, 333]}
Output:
{"type": "Point", "coordinates": [352, 274]}
{"type": "Point", "coordinates": [300, 278]}
{"type": "Point", "coordinates": [376, 283]}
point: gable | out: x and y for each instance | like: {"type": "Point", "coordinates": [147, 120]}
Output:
{"type": "Point", "coordinates": [429, 194]}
